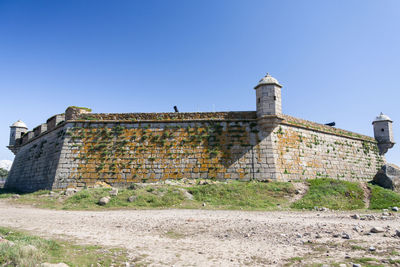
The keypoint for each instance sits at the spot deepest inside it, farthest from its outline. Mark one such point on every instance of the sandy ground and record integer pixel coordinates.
(216, 238)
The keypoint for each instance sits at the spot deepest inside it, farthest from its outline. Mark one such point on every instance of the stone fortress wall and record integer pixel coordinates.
(79, 148)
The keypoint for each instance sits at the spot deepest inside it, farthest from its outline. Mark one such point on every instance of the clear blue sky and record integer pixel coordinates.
(337, 60)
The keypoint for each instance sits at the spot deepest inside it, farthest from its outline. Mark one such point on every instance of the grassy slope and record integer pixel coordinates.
(234, 195)
(332, 194)
(383, 198)
(20, 254)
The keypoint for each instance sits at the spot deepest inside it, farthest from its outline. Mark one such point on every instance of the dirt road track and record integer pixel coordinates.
(207, 237)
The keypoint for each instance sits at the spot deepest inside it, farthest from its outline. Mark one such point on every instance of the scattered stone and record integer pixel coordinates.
(345, 236)
(395, 209)
(70, 191)
(61, 264)
(372, 248)
(102, 185)
(386, 214)
(342, 265)
(318, 235)
(298, 191)
(104, 201)
(299, 236)
(397, 233)
(15, 196)
(377, 229)
(114, 192)
(355, 216)
(204, 204)
(324, 265)
(188, 195)
(356, 265)
(132, 198)
(388, 177)
(335, 235)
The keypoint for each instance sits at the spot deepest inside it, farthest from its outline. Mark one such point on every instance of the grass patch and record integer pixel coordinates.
(28, 251)
(382, 198)
(246, 195)
(232, 195)
(332, 194)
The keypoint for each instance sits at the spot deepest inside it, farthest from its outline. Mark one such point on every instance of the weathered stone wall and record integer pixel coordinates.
(307, 152)
(147, 147)
(120, 153)
(36, 162)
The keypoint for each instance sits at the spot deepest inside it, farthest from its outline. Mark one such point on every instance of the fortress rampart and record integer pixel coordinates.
(81, 148)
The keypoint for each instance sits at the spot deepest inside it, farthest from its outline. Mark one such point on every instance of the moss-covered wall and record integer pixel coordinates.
(306, 153)
(146, 147)
(119, 153)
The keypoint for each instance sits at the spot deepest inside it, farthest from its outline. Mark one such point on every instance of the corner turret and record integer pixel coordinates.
(16, 131)
(383, 133)
(268, 92)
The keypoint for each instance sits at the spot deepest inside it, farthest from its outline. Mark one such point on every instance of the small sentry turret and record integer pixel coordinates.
(268, 94)
(17, 130)
(383, 133)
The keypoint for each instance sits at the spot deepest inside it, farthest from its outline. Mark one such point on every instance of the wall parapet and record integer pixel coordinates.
(305, 124)
(177, 116)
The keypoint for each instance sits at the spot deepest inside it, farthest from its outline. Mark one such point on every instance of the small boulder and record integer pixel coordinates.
(104, 201)
(395, 209)
(188, 195)
(345, 236)
(101, 185)
(114, 192)
(388, 177)
(132, 198)
(372, 248)
(70, 191)
(377, 229)
(15, 196)
(397, 233)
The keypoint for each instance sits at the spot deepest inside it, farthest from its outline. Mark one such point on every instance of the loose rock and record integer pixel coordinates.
(188, 195)
(114, 192)
(104, 201)
(377, 229)
(132, 198)
(15, 196)
(398, 233)
(388, 177)
(70, 191)
(395, 209)
(372, 248)
(345, 236)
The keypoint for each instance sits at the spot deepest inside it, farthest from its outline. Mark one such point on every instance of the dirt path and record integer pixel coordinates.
(367, 194)
(212, 238)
